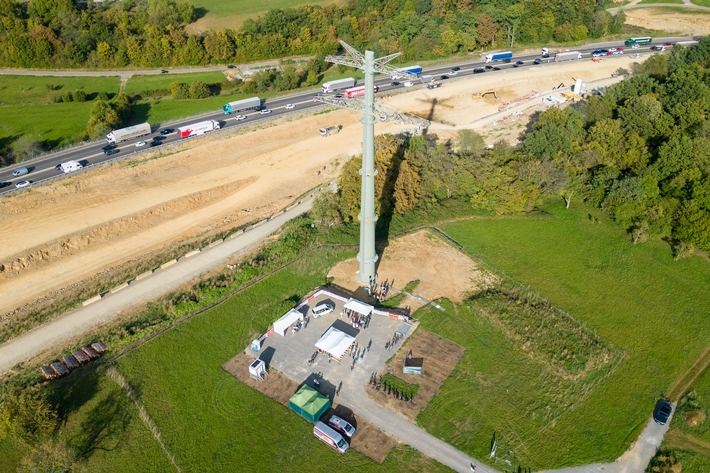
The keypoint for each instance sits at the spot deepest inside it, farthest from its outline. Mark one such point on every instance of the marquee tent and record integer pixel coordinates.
(359, 307)
(335, 342)
(309, 404)
(290, 318)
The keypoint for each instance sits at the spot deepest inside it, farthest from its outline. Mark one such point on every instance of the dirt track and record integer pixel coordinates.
(67, 232)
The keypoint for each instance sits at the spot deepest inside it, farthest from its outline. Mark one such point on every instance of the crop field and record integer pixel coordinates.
(634, 298)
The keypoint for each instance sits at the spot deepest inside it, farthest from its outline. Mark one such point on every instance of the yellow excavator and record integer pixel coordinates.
(480, 95)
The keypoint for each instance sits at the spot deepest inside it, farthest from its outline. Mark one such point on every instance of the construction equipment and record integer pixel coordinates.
(480, 95)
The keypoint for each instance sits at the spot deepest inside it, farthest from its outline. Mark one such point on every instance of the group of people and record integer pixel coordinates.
(379, 292)
(357, 320)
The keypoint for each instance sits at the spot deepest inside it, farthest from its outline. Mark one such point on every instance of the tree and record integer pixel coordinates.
(179, 90)
(199, 90)
(486, 29)
(27, 146)
(102, 119)
(49, 456)
(27, 414)
(693, 225)
(325, 211)
(407, 188)
(470, 143)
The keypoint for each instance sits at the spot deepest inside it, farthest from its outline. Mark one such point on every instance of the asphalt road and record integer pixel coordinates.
(44, 167)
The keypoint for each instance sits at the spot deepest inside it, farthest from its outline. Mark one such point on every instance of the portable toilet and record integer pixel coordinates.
(257, 370)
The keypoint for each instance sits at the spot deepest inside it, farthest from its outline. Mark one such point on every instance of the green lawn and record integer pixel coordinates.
(56, 125)
(661, 1)
(28, 90)
(140, 83)
(221, 8)
(702, 3)
(636, 298)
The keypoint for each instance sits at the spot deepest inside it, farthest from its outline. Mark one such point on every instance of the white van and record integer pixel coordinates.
(342, 426)
(322, 309)
(70, 166)
(330, 437)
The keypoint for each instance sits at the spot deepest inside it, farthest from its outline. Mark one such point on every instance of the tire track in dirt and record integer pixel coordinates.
(690, 376)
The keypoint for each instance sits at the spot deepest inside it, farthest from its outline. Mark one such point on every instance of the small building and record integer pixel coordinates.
(257, 370)
(291, 317)
(309, 403)
(412, 365)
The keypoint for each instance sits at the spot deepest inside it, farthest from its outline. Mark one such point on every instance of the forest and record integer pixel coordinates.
(151, 33)
(640, 152)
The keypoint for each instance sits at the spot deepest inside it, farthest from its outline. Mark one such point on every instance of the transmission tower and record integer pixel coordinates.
(367, 256)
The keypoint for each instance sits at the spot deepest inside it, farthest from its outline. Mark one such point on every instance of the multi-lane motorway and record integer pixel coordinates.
(44, 168)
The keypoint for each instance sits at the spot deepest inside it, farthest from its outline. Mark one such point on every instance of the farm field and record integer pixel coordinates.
(589, 270)
(139, 83)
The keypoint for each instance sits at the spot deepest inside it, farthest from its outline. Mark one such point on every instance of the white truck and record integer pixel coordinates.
(130, 132)
(70, 166)
(239, 105)
(331, 130)
(567, 56)
(199, 128)
(340, 84)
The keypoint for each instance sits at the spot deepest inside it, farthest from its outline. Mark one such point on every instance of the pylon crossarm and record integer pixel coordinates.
(381, 61)
(352, 51)
(352, 104)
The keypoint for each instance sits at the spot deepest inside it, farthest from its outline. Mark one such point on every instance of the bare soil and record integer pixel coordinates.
(369, 440)
(63, 234)
(440, 357)
(683, 23)
(442, 270)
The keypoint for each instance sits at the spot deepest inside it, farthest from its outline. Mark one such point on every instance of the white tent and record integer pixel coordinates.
(359, 307)
(335, 342)
(290, 318)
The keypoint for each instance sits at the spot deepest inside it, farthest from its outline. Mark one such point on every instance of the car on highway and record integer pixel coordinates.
(158, 138)
(658, 48)
(489, 67)
(141, 144)
(479, 70)
(496, 68)
(454, 70)
(635, 46)
(240, 117)
(444, 77)
(265, 111)
(537, 61)
(615, 51)
(395, 83)
(668, 45)
(108, 146)
(600, 52)
(289, 106)
(518, 63)
(435, 85)
(167, 131)
(22, 184)
(662, 411)
(4, 184)
(109, 152)
(20, 172)
(155, 143)
(338, 96)
(408, 84)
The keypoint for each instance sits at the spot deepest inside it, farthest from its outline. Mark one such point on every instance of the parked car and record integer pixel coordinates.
(265, 111)
(289, 106)
(395, 83)
(22, 184)
(240, 117)
(167, 131)
(408, 84)
(322, 309)
(109, 152)
(20, 172)
(662, 411)
(479, 70)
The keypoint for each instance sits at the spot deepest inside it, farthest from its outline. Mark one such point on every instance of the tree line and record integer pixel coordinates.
(151, 33)
(640, 152)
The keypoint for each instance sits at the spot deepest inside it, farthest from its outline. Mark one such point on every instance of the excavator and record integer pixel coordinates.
(480, 95)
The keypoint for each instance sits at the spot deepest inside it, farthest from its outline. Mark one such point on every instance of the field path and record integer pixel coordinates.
(690, 376)
(681, 440)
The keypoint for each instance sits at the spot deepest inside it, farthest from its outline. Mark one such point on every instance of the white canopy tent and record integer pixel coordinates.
(359, 307)
(335, 342)
(290, 318)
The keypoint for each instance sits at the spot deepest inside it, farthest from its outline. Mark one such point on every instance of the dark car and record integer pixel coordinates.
(231, 66)
(600, 52)
(496, 68)
(455, 69)
(658, 48)
(4, 184)
(479, 70)
(433, 86)
(394, 83)
(662, 411)
(109, 146)
(163, 71)
(155, 143)
(489, 67)
(537, 61)
(158, 138)
(109, 152)
(518, 63)
(444, 77)
(167, 131)
(337, 96)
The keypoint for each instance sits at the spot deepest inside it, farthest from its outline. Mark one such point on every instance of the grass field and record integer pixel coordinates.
(28, 90)
(139, 83)
(248, 7)
(702, 3)
(636, 298)
(661, 1)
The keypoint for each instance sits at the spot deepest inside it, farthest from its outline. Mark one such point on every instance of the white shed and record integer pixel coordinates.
(257, 370)
(290, 318)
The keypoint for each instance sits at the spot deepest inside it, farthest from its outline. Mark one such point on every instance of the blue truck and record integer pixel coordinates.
(503, 56)
(402, 72)
(239, 105)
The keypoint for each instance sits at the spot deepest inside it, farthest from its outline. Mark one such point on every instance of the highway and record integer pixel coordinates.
(44, 167)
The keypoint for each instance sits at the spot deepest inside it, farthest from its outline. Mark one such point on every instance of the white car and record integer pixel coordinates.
(408, 84)
(140, 144)
(240, 117)
(289, 106)
(264, 111)
(22, 184)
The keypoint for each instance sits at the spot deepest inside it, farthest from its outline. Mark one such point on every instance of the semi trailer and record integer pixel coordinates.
(502, 56)
(568, 56)
(239, 105)
(128, 133)
(340, 84)
(199, 128)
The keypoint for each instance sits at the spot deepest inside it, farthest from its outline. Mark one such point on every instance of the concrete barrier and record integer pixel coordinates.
(92, 300)
(118, 288)
(192, 253)
(236, 234)
(144, 275)
(169, 263)
(215, 243)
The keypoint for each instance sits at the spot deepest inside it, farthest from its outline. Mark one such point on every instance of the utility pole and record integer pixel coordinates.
(367, 256)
